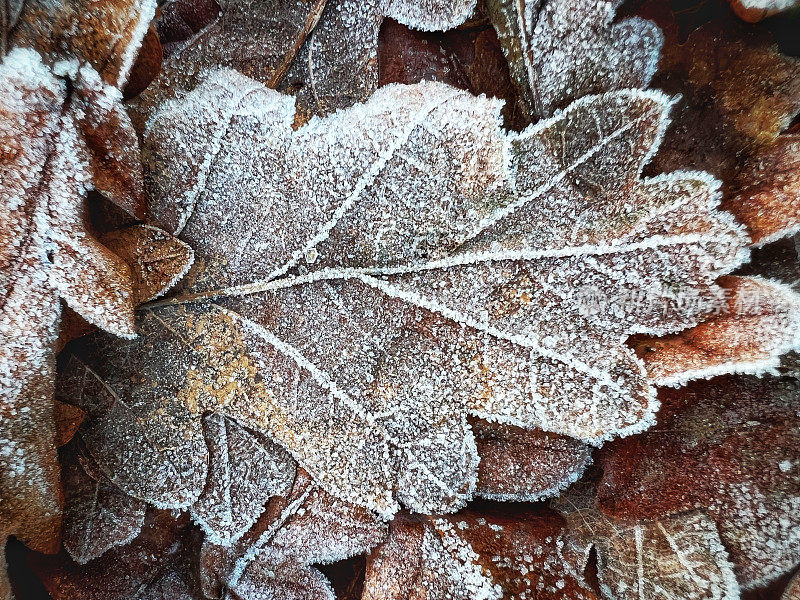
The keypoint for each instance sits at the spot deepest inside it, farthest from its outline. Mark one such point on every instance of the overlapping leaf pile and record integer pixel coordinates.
(397, 304)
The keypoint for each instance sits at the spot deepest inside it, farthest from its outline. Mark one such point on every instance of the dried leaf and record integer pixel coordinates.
(47, 253)
(157, 259)
(760, 322)
(565, 49)
(473, 555)
(670, 557)
(442, 296)
(739, 94)
(106, 35)
(306, 527)
(525, 465)
(131, 572)
(324, 52)
(67, 419)
(729, 447)
(97, 516)
(244, 471)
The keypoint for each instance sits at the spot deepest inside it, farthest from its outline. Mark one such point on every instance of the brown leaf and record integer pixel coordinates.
(97, 515)
(679, 556)
(728, 446)
(753, 11)
(759, 322)
(525, 465)
(104, 34)
(739, 94)
(158, 260)
(244, 471)
(473, 555)
(306, 527)
(147, 65)
(127, 572)
(565, 49)
(68, 418)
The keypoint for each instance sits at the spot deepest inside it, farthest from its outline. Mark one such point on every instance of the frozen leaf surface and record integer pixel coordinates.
(134, 571)
(473, 555)
(324, 52)
(756, 10)
(727, 446)
(97, 516)
(560, 50)
(306, 526)
(47, 253)
(758, 322)
(525, 465)
(665, 558)
(244, 471)
(358, 308)
(793, 591)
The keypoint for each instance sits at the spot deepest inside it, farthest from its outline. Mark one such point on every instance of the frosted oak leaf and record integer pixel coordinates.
(372, 278)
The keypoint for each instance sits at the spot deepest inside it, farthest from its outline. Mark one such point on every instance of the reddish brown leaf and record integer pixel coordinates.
(739, 94)
(793, 590)
(157, 259)
(104, 34)
(759, 322)
(67, 418)
(488, 554)
(526, 464)
(676, 557)
(124, 573)
(728, 446)
(753, 11)
(147, 65)
(97, 515)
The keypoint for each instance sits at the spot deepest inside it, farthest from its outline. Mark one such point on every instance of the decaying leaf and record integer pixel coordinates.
(562, 49)
(325, 52)
(759, 322)
(307, 526)
(739, 94)
(97, 516)
(130, 572)
(474, 555)
(245, 470)
(363, 307)
(728, 446)
(525, 465)
(63, 132)
(669, 557)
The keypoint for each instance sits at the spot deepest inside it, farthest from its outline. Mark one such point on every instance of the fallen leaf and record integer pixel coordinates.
(473, 555)
(759, 322)
(525, 465)
(307, 526)
(565, 49)
(244, 472)
(97, 516)
(470, 281)
(130, 572)
(67, 419)
(727, 446)
(753, 11)
(739, 95)
(324, 52)
(679, 556)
